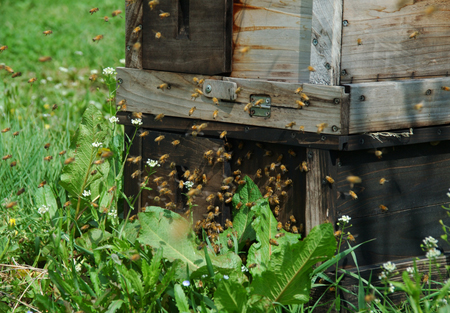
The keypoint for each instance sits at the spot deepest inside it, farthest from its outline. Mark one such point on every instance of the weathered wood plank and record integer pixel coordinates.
(195, 38)
(278, 34)
(139, 88)
(392, 105)
(133, 18)
(132, 189)
(326, 42)
(320, 195)
(386, 50)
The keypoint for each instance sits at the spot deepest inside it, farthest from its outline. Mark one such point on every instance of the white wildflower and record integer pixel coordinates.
(244, 269)
(430, 242)
(64, 92)
(410, 270)
(79, 52)
(153, 163)
(186, 283)
(443, 302)
(137, 121)
(122, 61)
(58, 86)
(112, 213)
(49, 78)
(345, 219)
(86, 193)
(109, 71)
(63, 69)
(80, 77)
(391, 288)
(43, 209)
(433, 253)
(188, 184)
(382, 276)
(96, 144)
(377, 301)
(226, 277)
(113, 119)
(94, 72)
(204, 275)
(389, 266)
(43, 81)
(78, 267)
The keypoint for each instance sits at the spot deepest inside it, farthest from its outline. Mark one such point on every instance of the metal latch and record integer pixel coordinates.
(219, 89)
(260, 108)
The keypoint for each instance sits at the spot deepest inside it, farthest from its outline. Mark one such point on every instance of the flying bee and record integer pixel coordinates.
(93, 10)
(378, 153)
(181, 184)
(279, 235)
(220, 196)
(290, 125)
(259, 102)
(353, 194)
(383, 180)
(354, 180)
(94, 172)
(9, 69)
(239, 161)
(215, 100)
(413, 35)
(6, 157)
(93, 78)
(42, 184)
(175, 143)
(163, 86)
(247, 107)
(32, 80)
(249, 154)
(143, 134)
(350, 237)
(137, 29)
(300, 104)
(383, 208)
(7, 129)
(337, 233)
(321, 127)
(238, 90)
(191, 111)
(48, 158)
(97, 38)
(280, 157)
(105, 18)
(13, 163)
(272, 166)
(47, 32)
(3, 48)
(292, 153)
(45, 59)
(283, 168)
(304, 97)
(227, 156)
(210, 198)
(98, 162)
(198, 91)
(186, 174)
(311, 69)
(273, 242)
(445, 88)
(158, 35)
(294, 229)
(17, 74)
(329, 179)
(224, 188)
(152, 4)
(21, 191)
(159, 138)
(419, 106)
(11, 204)
(202, 126)
(302, 129)
(69, 160)
(159, 117)
(228, 180)
(244, 50)
(215, 114)
(259, 173)
(116, 12)
(223, 135)
(136, 174)
(163, 158)
(17, 134)
(253, 265)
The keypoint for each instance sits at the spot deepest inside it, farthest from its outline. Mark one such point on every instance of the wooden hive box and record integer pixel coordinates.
(372, 63)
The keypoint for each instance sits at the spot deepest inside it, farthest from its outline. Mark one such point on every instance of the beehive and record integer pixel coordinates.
(374, 74)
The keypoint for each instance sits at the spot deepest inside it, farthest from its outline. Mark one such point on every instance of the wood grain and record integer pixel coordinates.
(326, 42)
(203, 45)
(139, 88)
(386, 51)
(133, 18)
(385, 106)
(278, 34)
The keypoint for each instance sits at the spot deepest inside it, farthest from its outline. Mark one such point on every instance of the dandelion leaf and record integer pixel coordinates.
(45, 196)
(76, 176)
(287, 278)
(230, 296)
(181, 299)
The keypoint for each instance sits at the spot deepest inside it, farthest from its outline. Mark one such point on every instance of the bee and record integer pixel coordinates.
(6, 157)
(223, 135)
(248, 155)
(159, 117)
(202, 126)
(244, 50)
(351, 238)
(298, 90)
(9, 69)
(419, 106)
(300, 104)
(106, 19)
(220, 196)
(135, 160)
(98, 162)
(429, 10)
(21, 191)
(198, 91)
(69, 160)
(170, 205)
(42, 184)
(136, 174)
(280, 157)
(3, 48)
(94, 172)
(7, 129)
(163, 158)
(181, 184)
(137, 46)
(311, 69)
(47, 32)
(13, 163)
(378, 153)
(290, 125)
(354, 179)
(48, 158)
(329, 179)
(153, 3)
(321, 127)
(18, 74)
(239, 161)
(353, 194)
(159, 138)
(16, 134)
(175, 143)
(279, 226)
(445, 88)
(292, 219)
(143, 134)
(32, 80)
(283, 168)
(242, 182)
(304, 96)
(359, 41)
(259, 173)
(279, 235)
(253, 265)
(97, 38)
(93, 77)
(238, 90)
(158, 35)
(195, 95)
(215, 100)
(11, 204)
(272, 166)
(413, 35)
(186, 174)
(44, 59)
(247, 107)
(210, 198)
(227, 180)
(93, 10)
(215, 114)
(273, 242)
(164, 14)
(337, 233)
(54, 107)
(191, 111)
(116, 12)
(302, 129)
(137, 29)
(287, 226)
(137, 115)
(383, 180)
(295, 229)
(383, 208)
(276, 210)
(292, 152)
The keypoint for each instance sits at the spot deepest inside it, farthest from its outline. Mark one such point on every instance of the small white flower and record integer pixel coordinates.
(63, 69)
(43, 81)
(345, 219)
(109, 71)
(188, 184)
(153, 163)
(389, 266)
(433, 253)
(96, 144)
(137, 121)
(113, 119)
(186, 283)
(226, 277)
(122, 61)
(74, 84)
(244, 269)
(64, 92)
(79, 52)
(46, 115)
(78, 267)
(94, 71)
(112, 213)
(80, 77)
(86, 193)
(410, 270)
(443, 302)
(204, 275)
(391, 288)
(430, 242)
(58, 86)
(49, 78)
(43, 209)
(382, 276)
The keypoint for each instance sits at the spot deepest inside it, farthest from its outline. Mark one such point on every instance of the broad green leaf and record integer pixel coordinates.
(265, 226)
(92, 238)
(231, 297)
(180, 299)
(114, 306)
(45, 196)
(243, 217)
(76, 176)
(287, 279)
(161, 228)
